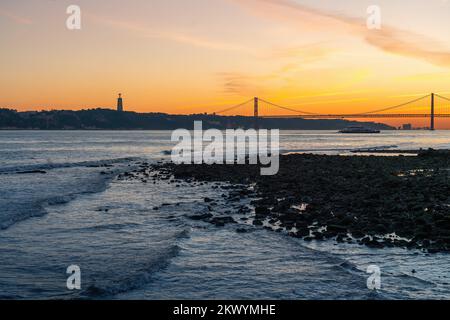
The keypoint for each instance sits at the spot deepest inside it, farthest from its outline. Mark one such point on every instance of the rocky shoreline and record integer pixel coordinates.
(374, 201)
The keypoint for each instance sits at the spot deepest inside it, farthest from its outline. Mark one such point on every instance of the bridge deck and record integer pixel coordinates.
(356, 116)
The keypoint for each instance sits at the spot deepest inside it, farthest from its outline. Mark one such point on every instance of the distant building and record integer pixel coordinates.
(120, 103)
(407, 126)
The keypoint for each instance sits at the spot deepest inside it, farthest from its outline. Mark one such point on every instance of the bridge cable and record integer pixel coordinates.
(233, 107)
(394, 107)
(442, 97)
(445, 108)
(369, 112)
(312, 113)
(287, 108)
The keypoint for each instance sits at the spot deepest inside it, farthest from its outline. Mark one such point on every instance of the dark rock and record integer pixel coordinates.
(257, 222)
(32, 171)
(203, 216)
(340, 237)
(221, 221)
(358, 234)
(356, 195)
(262, 211)
(336, 228)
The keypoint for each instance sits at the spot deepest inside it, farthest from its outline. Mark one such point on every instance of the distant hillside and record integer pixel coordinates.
(105, 119)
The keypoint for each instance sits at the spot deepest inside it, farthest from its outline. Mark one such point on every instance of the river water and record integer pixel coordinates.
(78, 213)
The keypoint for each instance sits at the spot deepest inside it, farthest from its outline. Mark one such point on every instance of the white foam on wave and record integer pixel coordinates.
(50, 166)
(27, 196)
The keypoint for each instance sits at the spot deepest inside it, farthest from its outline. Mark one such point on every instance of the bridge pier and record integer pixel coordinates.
(432, 113)
(256, 112)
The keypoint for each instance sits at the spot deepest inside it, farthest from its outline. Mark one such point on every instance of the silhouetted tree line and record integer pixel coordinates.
(106, 119)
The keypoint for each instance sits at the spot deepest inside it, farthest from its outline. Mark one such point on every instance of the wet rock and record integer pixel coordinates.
(262, 211)
(375, 244)
(304, 232)
(244, 210)
(358, 234)
(203, 216)
(359, 195)
(340, 237)
(381, 229)
(257, 222)
(32, 171)
(318, 236)
(336, 228)
(221, 221)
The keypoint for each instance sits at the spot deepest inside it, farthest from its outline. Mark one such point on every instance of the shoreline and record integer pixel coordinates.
(430, 151)
(370, 200)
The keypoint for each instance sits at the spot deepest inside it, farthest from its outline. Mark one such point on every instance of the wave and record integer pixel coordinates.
(166, 152)
(131, 280)
(349, 267)
(414, 280)
(34, 168)
(350, 148)
(21, 214)
(284, 151)
(375, 148)
(19, 211)
(104, 227)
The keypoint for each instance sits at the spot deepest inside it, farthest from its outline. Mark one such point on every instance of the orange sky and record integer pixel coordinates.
(180, 56)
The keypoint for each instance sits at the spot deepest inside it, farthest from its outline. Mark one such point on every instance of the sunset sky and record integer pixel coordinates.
(185, 56)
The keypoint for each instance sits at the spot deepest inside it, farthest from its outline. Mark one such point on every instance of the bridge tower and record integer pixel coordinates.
(256, 112)
(432, 113)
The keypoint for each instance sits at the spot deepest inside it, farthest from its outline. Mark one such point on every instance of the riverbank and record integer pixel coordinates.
(107, 119)
(422, 152)
(374, 201)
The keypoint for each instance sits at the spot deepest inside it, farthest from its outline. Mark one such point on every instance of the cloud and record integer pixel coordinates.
(303, 54)
(408, 44)
(389, 39)
(238, 84)
(15, 18)
(171, 35)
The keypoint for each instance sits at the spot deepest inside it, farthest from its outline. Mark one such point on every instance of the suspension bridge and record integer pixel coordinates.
(430, 106)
